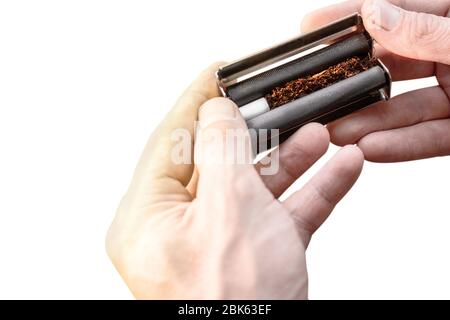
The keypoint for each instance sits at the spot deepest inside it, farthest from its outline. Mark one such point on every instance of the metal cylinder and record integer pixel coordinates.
(322, 102)
(259, 85)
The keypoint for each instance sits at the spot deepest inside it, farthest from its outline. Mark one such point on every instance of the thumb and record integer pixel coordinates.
(222, 140)
(410, 34)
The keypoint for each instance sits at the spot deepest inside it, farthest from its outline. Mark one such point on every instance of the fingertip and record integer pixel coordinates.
(318, 131)
(309, 22)
(343, 132)
(313, 135)
(218, 101)
(354, 160)
(213, 67)
(369, 14)
(204, 87)
(366, 8)
(355, 151)
(373, 149)
(222, 141)
(218, 107)
(207, 79)
(205, 84)
(335, 134)
(381, 18)
(321, 136)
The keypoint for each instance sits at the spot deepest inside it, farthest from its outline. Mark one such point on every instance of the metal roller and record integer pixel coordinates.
(256, 87)
(252, 81)
(311, 107)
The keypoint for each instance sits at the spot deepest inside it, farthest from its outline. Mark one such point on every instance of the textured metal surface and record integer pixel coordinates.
(365, 101)
(256, 87)
(331, 32)
(251, 78)
(322, 102)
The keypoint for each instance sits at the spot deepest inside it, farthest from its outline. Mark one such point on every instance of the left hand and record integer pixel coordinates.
(219, 231)
(413, 42)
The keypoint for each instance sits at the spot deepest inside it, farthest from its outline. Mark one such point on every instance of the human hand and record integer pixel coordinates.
(217, 229)
(414, 42)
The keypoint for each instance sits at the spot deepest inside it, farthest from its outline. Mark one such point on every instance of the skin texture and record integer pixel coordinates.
(216, 229)
(415, 44)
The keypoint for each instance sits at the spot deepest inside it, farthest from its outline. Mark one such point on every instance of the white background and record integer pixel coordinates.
(82, 85)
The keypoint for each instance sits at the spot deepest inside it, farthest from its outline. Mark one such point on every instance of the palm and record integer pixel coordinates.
(225, 239)
(267, 236)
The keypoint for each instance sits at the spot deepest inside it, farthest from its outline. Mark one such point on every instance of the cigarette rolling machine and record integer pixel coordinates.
(317, 77)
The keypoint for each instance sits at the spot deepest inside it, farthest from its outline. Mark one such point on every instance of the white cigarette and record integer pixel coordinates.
(254, 108)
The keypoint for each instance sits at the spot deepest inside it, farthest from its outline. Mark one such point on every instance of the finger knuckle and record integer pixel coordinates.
(240, 186)
(305, 224)
(426, 30)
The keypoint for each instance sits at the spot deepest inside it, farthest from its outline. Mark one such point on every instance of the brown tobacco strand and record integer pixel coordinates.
(297, 88)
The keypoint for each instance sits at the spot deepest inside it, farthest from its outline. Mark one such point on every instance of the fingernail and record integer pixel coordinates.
(217, 109)
(384, 14)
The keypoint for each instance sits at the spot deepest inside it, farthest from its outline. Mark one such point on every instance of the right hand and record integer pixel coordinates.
(414, 42)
